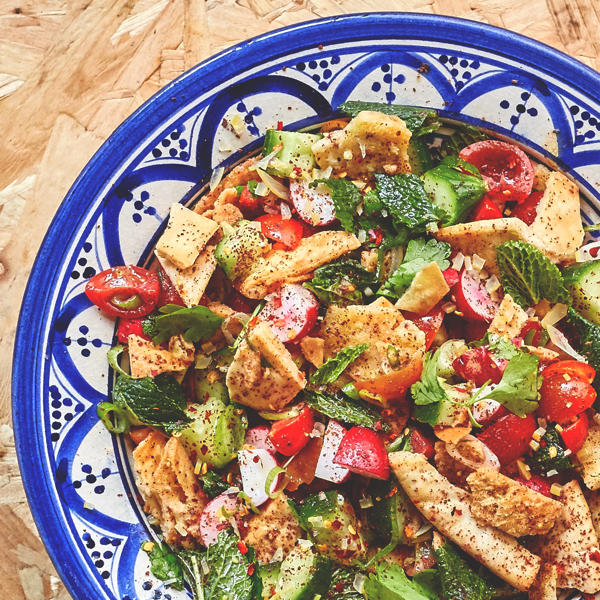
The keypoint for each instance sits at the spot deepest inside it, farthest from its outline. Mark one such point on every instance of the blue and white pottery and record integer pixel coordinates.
(77, 476)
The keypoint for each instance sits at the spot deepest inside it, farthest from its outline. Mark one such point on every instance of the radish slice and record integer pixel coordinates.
(363, 452)
(326, 468)
(216, 517)
(258, 437)
(291, 312)
(473, 299)
(488, 411)
(255, 466)
(312, 206)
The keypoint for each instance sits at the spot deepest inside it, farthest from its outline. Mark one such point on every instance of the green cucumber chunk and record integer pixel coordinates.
(419, 156)
(296, 151)
(583, 282)
(304, 574)
(269, 576)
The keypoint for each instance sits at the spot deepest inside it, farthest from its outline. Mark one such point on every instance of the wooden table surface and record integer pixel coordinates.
(72, 70)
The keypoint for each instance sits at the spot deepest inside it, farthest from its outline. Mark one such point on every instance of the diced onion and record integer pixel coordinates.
(492, 284)
(459, 261)
(359, 582)
(468, 263)
(554, 315)
(585, 252)
(423, 529)
(277, 555)
(487, 457)
(273, 184)
(305, 544)
(366, 502)
(318, 430)
(557, 337)
(263, 163)
(240, 318)
(261, 189)
(202, 361)
(478, 262)
(216, 177)
(362, 236)
(286, 212)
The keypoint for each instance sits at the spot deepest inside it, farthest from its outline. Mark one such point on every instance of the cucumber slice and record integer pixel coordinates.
(583, 282)
(296, 151)
(269, 576)
(304, 574)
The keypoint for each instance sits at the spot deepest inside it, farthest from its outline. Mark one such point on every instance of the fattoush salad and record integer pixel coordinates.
(363, 365)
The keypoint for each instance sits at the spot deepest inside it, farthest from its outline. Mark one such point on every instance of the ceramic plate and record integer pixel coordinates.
(76, 475)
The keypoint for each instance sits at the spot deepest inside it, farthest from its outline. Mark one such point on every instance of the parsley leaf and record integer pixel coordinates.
(344, 409)
(346, 198)
(157, 401)
(541, 461)
(389, 582)
(165, 565)
(428, 393)
(498, 345)
(333, 367)
(341, 282)
(528, 275)
(419, 253)
(420, 121)
(213, 484)
(518, 388)
(406, 200)
(196, 323)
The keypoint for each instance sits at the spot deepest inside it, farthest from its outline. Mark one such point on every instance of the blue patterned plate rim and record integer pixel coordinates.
(32, 326)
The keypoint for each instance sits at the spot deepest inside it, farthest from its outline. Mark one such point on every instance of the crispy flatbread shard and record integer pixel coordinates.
(379, 325)
(557, 227)
(593, 500)
(185, 236)
(447, 508)
(482, 237)
(589, 457)
(572, 544)
(425, 291)
(285, 266)
(276, 526)
(372, 142)
(261, 387)
(544, 587)
(170, 488)
(509, 319)
(191, 283)
(313, 349)
(510, 506)
(148, 360)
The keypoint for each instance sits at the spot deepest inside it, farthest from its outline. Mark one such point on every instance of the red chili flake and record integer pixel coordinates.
(595, 556)
(279, 125)
(242, 547)
(376, 236)
(256, 459)
(458, 512)
(378, 425)
(204, 448)
(253, 321)
(298, 171)
(393, 491)
(250, 569)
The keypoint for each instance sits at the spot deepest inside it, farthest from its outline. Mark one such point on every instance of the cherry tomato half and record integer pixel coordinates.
(574, 435)
(129, 327)
(486, 209)
(429, 323)
(421, 443)
(537, 483)
(527, 211)
(168, 291)
(573, 368)
(508, 437)
(478, 365)
(505, 168)
(287, 231)
(248, 202)
(126, 291)
(289, 436)
(392, 387)
(564, 396)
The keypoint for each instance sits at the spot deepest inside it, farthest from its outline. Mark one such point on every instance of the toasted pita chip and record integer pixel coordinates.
(509, 319)
(544, 587)
(148, 360)
(589, 457)
(425, 291)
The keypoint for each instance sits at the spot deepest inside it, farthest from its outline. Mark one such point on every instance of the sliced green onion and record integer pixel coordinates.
(113, 355)
(273, 473)
(115, 418)
(243, 496)
(127, 302)
(280, 416)
(350, 390)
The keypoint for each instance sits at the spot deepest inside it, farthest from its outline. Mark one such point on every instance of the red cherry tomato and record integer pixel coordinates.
(139, 434)
(573, 368)
(363, 452)
(574, 435)
(534, 330)
(508, 437)
(291, 312)
(313, 207)
(478, 365)
(451, 277)
(168, 292)
(563, 399)
(538, 484)
(287, 231)
(486, 210)
(473, 300)
(127, 291)
(248, 202)
(421, 444)
(527, 210)
(129, 327)
(240, 303)
(289, 436)
(505, 168)
(429, 323)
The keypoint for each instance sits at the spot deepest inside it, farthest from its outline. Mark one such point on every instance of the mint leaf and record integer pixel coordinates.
(165, 565)
(149, 325)
(389, 582)
(344, 409)
(213, 484)
(588, 335)
(457, 578)
(541, 461)
(428, 393)
(341, 282)
(333, 367)
(461, 137)
(419, 253)
(196, 323)
(528, 275)
(518, 388)
(346, 198)
(406, 200)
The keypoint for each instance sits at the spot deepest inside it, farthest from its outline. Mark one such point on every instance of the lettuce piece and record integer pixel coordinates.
(196, 323)
(389, 582)
(346, 198)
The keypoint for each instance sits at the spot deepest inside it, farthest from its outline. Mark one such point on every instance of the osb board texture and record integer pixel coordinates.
(72, 70)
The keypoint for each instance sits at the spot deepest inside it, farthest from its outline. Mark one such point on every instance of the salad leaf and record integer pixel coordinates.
(342, 585)
(588, 335)
(149, 325)
(342, 282)
(420, 121)
(333, 367)
(164, 564)
(196, 323)
(389, 582)
(406, 200)
(213, 484)
(428, 393)
(458, 580)
(541, 461)
(190, 562)
(461, 137)
(419, 253)
(429, 580)
(519, 387)
(498, 345)
(157, 401)
(346, 198)
(342, 408)
(528, 275)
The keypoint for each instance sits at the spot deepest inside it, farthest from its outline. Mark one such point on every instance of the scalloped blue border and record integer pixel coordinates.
(218, 69)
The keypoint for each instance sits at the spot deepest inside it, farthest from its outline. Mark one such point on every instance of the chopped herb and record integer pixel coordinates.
(196, 323)
(346, 198)
(251, 185)
(389, 582)
(342, 585)
(164, 564)
(428, 393)
(550, 455)
(213, 484)
(333, 367)
(461, 137)
(149, 325)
